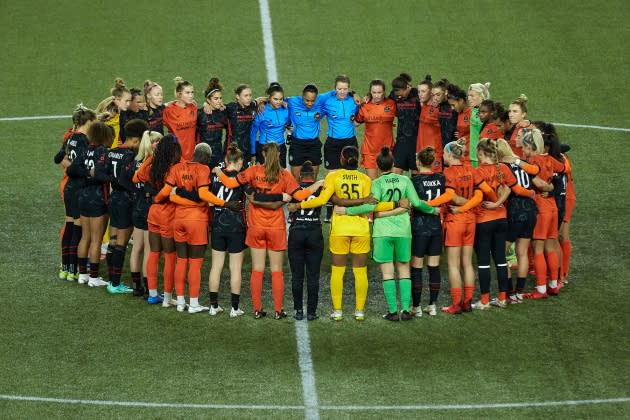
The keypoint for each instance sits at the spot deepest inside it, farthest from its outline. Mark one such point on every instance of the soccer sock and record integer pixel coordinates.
(567, 249)
(169, 271)
(235, 300)
(468, 293)
(136, 277)
(66, 239)
(434, 284)
(405, 293)
(520, 284)
(277, 289)
(194, 277)
(74, 243)
(180, 276)
(214, 299)
(152, 270)
(540, 265)
(552, 263)
(117, 259)
(502, 277)
(94, 269)
(336, 286)
(145, 282)
(485, 298)
(256, 282)
(108, 255)
(484, 278)
(456, 295)
(83, 265)
(194, 301)
(360, 286)
(389, 289)
(416, 282)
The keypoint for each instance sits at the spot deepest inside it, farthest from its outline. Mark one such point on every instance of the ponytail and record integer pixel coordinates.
(272, 162)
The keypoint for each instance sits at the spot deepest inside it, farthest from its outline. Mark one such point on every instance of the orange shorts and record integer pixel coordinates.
(546, 226)
(192, 232)
(568, 210)
(272, 239)
(160, 219)
(459, 233)
(368, 160)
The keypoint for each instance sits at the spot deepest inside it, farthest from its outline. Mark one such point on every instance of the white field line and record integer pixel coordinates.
(261, 407)
(270, 51)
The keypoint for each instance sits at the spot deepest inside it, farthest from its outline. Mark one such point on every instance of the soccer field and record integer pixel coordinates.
(68, 351)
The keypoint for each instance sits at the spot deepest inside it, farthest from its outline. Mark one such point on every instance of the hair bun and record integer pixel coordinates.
(178, 80)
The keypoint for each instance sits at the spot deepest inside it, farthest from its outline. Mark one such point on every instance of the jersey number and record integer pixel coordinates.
(429, 194)
(393, 194)
(350, 190)
(522, 178)
(223, 191)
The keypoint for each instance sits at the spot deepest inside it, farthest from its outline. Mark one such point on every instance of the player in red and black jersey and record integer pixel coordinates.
(93, 200)
(75, 144)
(447, 116)
(408, 113)
(120, 166)
(136, 110)
(240, 118)
(210, 126)
(154, 97)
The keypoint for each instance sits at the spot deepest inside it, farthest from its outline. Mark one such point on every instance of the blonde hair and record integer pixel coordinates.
(521, 101)
(456, 148)
(490, 149)
(107, 108)
(534, 139)
(145, 150)
(503, 149)
(482, 89)
(180, 84)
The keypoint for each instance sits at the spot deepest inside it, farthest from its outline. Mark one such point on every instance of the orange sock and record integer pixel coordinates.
(152, 270)
(456, 295)
(485, 298)
(468, 293)
(566, 257)
(169, 271)
(540, 265)
(502, 295)
(180, 276)
(256, 282)
(194, 276)
(277, 290)
(552, 262)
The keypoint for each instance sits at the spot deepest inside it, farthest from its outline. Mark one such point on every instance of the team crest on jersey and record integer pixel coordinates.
(387, 109)
(466, 119)
(298, 114)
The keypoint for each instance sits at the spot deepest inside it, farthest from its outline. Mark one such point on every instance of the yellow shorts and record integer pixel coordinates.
(349, 244)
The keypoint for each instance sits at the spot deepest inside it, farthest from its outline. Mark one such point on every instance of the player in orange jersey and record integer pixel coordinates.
(180, 117)
(563, 233)
(429, 131)
(457, 101)
(488, 111)
(518, 118)
(266, 233)
(459, 226)
(378, 115)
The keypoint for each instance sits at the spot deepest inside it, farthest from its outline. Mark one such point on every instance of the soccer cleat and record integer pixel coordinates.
(467, 306)
(72, 277)
(138, 291)
(359, 316)
(279, 314)
(499, 303)
(406, 316)
(535, 295)
(97, 282)
(215, 311)
(417, 311)
(121, 288)
(154, 300)
(299, 315)
(63, 275)
(431, 310)
(83, 278)
(260, 314)
(391, 316)
(480, 306)
(515, 299)
(312, 316)
(169, 303)
(336, 316)
(554, 291)
(453, 309)
(195, 309)
(236, 313)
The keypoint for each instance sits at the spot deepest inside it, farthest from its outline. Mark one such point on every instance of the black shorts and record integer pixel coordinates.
(140, 212)
(302, 150)
(332, 151)
(430, 245)
(521, 218)
(120, 210)
(405, 155)
(283, 154)
(93, 200)
(232, 242)
(71, 200)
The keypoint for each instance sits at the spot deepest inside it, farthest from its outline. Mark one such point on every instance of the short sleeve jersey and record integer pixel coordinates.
(120, 167)
(225, 220)
(392, 187)
(460, 178)
(189, 175)
(548, 166)
(379, 123)
(494, 175)
(429, 131)
(408, 112)
(183, 123)
(428, 185)
(259, 217)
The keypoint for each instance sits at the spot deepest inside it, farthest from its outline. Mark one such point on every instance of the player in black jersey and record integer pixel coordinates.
(140, 213)
(210, 126)
(305, 249)
(120, 166)
(154, 97)
(136, 110)
(240, 117)
(408, 113)
(75, 144)
(228, 235)
(93, 199)
(426, 232)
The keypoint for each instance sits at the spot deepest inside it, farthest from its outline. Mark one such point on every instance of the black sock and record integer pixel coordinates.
(66, 240)
(434, 284)
(73, 264)
(117, 261)
(108, 254)
(235, 300)
(416, 285)
(137, 280)
(520, 284)
(214, 299)
(94, 269)
(83, 265)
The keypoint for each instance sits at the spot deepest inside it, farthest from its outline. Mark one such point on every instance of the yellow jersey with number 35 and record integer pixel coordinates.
(348, 184)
